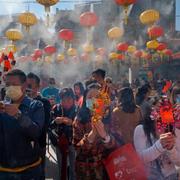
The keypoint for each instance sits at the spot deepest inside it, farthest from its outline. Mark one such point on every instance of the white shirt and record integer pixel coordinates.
(149, 154)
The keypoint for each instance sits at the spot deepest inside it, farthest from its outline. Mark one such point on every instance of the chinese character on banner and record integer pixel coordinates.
(125, 164)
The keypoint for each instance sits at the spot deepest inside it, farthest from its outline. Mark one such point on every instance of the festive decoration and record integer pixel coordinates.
(38, 53)
(13, 35)
(163, 114)
(168, 52)
(72, 52)
(85, 57)
(66, 34)
(149, 17)
(131, 49)
(121, 57)
(161, 46)
(155, 32)
(50, 50)
(113, 56)
(88, 19)
(152, 44)
(47, 4)
(27, 19)
(115, 33)
(101, 51)
(11, 48)
(122, 47)
(125, 4)
(60, 57)
(88, 48)
(138, 53)
(100, 103)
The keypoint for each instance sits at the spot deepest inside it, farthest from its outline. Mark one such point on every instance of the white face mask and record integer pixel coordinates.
(14, 92)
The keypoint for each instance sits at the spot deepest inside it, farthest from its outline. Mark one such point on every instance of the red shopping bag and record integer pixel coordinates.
(125, 164)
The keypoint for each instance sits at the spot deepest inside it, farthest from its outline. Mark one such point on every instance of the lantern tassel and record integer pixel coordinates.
(125, 15)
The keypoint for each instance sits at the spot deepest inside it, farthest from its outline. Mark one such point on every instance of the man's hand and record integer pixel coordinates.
(63, 120)
(11, 109)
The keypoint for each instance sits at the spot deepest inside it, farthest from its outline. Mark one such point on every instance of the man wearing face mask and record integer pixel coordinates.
(33, 84)
(21, 123)
(51, 92)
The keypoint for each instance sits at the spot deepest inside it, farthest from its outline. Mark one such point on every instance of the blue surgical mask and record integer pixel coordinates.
(178, 99)
(89, 103)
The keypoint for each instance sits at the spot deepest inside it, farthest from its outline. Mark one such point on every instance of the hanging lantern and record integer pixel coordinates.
(60, 57)
(38, 53)
(161, 46)
(122, 47)
(85, 57)
(27, 19)
(149, 17)
(13, 35)
(50, 50)
(138, 53)
(11, 48)
(120, 57)
(88, 48)
(98, 58)
(72, 52)
(34, 57)
(47, 4)
(11, 56)
(113, 56)
(168, 52)
(101, 51)
(155, 32)
(131, 49)
(125, 4)
(152, 44)
(7, 65)
(66, 34)
(88, 19)
(115, 33)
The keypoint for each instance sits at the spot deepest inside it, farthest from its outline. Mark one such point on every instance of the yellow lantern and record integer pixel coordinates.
(131, 49)
(98, 58)
(27, 19)
(88, 48)
(113, 56)
(13, 35)
(149, 17)
(60, 57)
(11, 48)
(152, 44)
(47, 4)
(115, 33)
(72, 52)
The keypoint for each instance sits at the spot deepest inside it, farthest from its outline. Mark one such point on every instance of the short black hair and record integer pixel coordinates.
(67, 92)
(35, 77)
(19, 73)
(100, 72)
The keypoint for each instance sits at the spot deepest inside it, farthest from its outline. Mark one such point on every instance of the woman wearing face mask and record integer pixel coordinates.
(92, 140)
(160, 152)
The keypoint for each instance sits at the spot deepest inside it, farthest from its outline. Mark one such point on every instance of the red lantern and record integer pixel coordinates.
(168, 52)
(66, 34)
(101, 51)
(11, 56)
(148, 56)
(155, 32)
(125, 2)
(50, 50)
(138, 53)
(122, 47)
(38, 53)
(161, 46)
(7, 65)
(33, 57)
(121, 57)
(88, 19)
(84, 57)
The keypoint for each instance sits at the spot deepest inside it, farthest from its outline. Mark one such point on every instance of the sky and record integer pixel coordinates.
(178, 15)
(16, 6)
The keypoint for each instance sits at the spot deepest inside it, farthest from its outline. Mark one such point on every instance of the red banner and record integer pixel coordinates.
(125, 164)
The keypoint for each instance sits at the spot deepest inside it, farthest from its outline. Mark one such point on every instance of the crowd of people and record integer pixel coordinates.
(29, 115)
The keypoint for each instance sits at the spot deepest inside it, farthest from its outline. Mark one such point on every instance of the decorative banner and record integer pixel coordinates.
(124, 164)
